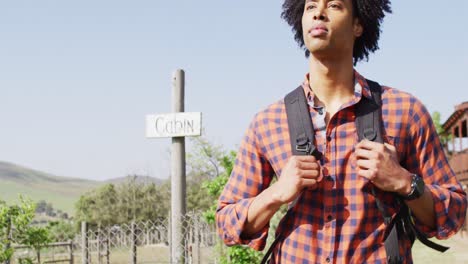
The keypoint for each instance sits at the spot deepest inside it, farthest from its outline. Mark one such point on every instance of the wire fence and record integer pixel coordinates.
(135, 242)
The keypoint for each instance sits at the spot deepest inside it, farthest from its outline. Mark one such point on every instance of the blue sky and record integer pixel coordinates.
(78, 77)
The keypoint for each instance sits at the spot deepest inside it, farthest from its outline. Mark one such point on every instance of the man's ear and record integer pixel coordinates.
(357, 28)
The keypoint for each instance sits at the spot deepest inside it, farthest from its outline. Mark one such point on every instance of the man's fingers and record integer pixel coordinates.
(370, 145)
(309, 174)
(367, 144)
(308, 165)
(364, 164)
(368, 174)
(364, 154)
(309, 183)
(305, 158)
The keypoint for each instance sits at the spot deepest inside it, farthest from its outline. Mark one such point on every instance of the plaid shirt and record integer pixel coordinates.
(339, 222)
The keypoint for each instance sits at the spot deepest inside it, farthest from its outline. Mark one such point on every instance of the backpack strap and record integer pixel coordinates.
(369, 126)
(301, 133)
(369, 115)
(301, 129)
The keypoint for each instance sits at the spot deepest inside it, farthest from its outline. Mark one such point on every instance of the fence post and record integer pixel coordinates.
(70, 250)
(10, 237)
(99, 244)
(134, 244)
(197, 241)
(169, 234)
(148, 237)
(108, 250)
(84, 243)
(109, 237)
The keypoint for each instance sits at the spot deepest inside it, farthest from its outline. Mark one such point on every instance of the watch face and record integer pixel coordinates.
(419, 185)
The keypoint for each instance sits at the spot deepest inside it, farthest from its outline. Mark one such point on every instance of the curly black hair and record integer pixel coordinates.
(369, 12)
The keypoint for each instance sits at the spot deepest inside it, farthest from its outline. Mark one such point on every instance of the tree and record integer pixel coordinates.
(156, 201)
(443, 136)
(204, 163)
(214, 187)
(131, 200)
(61, 231)
(204, 160)
(49, 209)
(36, 238)
(15, 228)
(41, 206)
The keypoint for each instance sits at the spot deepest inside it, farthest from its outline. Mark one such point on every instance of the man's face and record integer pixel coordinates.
(329, 28)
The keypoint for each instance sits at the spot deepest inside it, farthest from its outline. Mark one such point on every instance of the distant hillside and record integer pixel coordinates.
(139, 179)
(62, 192)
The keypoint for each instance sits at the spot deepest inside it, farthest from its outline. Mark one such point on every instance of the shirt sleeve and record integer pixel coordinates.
(427, 158)
(251, 174)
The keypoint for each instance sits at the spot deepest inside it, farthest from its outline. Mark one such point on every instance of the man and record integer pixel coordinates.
(335, 219)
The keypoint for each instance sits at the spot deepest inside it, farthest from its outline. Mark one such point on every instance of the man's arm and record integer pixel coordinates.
(427, 158)
(247, 204)
(379, 163)
(442, 208)
(299, 173)
(251, 174)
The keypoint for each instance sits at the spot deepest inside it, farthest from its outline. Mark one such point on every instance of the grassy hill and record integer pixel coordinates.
(62, 192)
(139, 179)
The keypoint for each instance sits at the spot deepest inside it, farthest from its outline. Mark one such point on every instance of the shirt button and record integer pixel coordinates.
(330, 178)
(329, 218)
(329, 138)
(327, 259)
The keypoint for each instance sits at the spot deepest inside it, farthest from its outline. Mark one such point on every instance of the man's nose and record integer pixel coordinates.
(319, 13)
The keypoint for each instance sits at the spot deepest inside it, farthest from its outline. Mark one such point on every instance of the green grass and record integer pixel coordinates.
(145, 255)
(458, 254)
(62, 196)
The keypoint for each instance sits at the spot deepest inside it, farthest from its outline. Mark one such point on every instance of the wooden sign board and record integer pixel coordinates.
(182, 124)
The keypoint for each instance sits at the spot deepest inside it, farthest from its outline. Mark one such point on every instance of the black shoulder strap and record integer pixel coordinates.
(301, 133)
(369, 115)
(301, 129)
(369, 126)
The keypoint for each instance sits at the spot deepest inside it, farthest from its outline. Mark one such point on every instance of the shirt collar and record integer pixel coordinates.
(361, 88)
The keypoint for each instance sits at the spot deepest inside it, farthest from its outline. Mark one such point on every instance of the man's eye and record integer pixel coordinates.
(310, 7)
(337, 6)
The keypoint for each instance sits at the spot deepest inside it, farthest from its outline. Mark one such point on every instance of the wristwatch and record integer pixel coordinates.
(417, 188)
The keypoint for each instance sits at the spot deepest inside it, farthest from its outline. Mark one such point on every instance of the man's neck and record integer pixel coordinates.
(332, 81)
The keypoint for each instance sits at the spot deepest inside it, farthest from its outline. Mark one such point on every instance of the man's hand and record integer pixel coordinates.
(300, 172)
(379, 163)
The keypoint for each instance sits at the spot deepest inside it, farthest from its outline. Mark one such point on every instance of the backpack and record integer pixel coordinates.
(369, 125)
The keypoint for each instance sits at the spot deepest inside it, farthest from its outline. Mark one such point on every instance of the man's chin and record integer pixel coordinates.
(318, 52)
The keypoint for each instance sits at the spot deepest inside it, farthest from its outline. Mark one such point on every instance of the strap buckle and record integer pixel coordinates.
(306, 148)
(309, 149)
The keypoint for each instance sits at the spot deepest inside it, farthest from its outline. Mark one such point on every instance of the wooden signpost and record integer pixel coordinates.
(176, 125)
